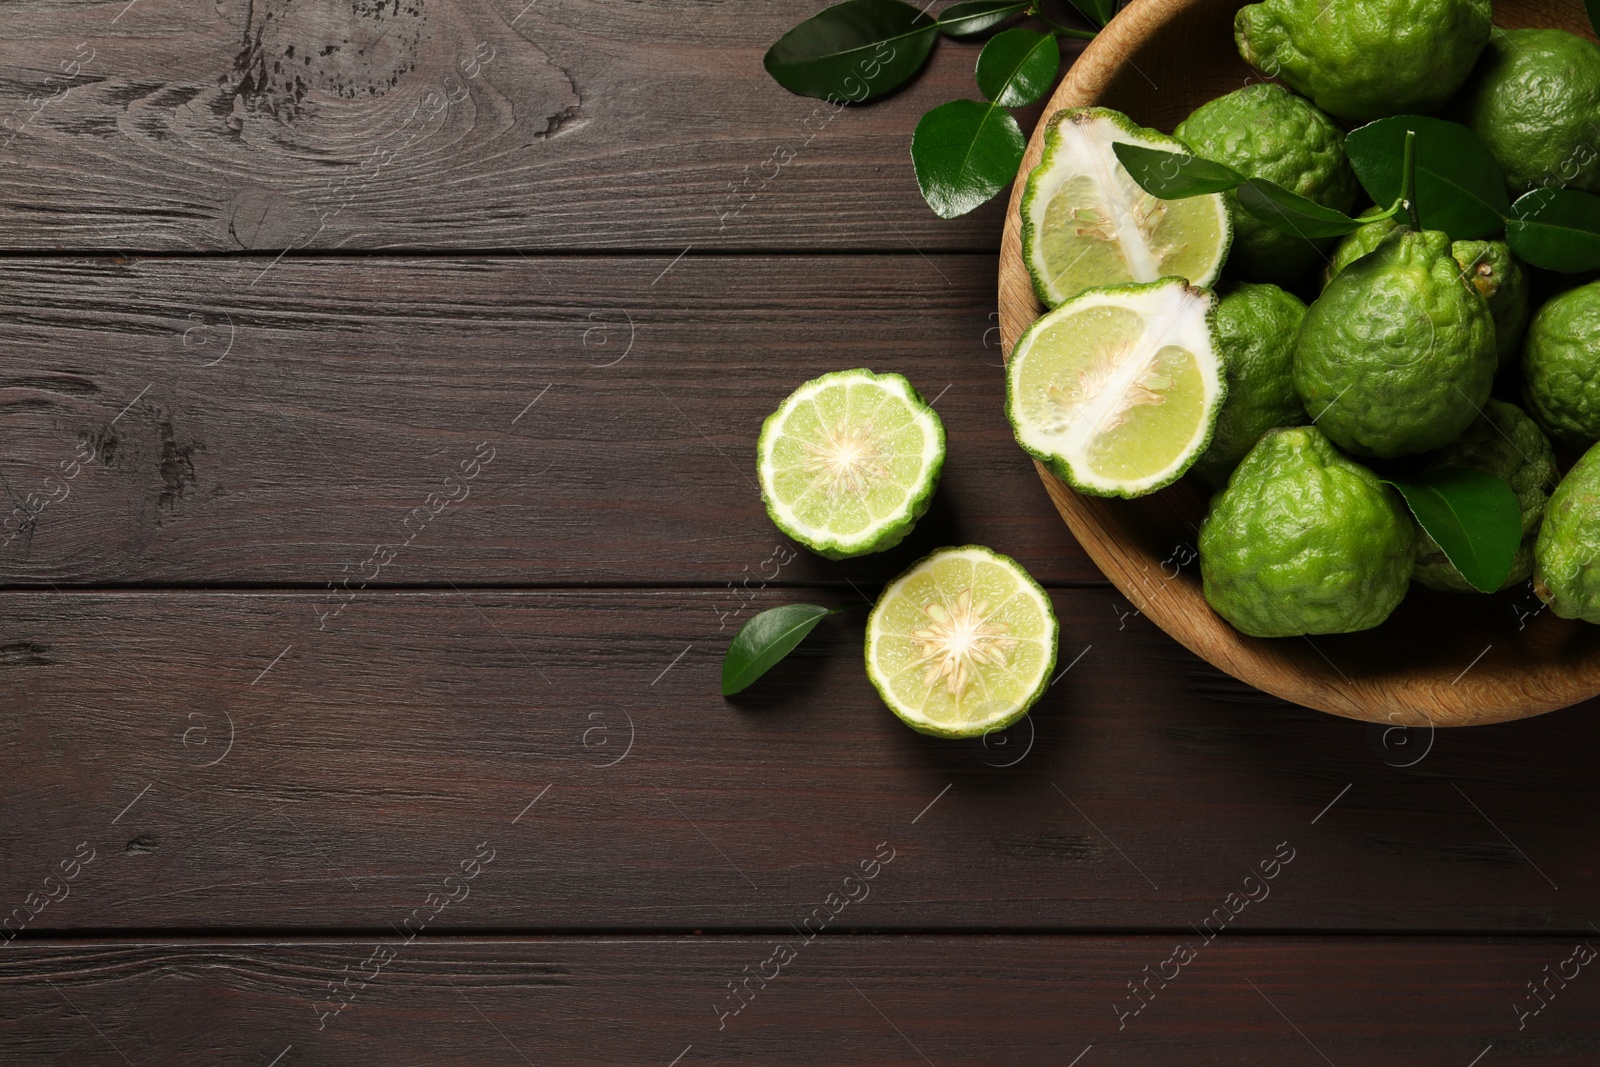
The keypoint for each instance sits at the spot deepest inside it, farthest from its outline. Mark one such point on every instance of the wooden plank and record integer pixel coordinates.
(465, 124)
(277, 425)
(900, 1001)
(231, 765)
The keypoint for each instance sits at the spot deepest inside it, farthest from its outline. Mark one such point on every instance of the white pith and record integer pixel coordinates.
(1084, 148)
(850, 456)
(1174, 314)
(956, 647)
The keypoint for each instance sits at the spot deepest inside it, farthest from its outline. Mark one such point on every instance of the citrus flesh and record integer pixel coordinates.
(1086, 223)
(1118, 389)
(849, 462)
(962, 643)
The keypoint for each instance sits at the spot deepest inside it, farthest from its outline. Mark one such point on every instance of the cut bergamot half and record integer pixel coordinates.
(849, 462)
(962, 643)
(1118, 390)
(1086, 223)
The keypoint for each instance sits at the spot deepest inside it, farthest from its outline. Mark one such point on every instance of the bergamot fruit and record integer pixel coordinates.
(1507, 444)
(1566, 572)
(1535, 101)
(1305, 541)
(1086, 223)
(1397, 354)
(1265, 131)
(1117, 390)
(962, 643)
(1561, 366)
(1366, 59)
(849, 462)
(1255, 327)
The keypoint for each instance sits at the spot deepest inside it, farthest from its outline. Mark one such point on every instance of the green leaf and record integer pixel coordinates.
(1098, 12)
(964, 153)
(979, 16)
(1558, 229)
(853, 51)
(1460, 188)
(765, 640)
(1474, 517)
(1593, 7)
(1292, 213)
(1018, 66)
(1175, 175)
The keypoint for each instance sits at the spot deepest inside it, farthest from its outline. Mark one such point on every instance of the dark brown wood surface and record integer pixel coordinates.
(381, 589)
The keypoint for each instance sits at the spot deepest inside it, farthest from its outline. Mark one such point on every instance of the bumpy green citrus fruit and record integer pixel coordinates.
(849, 462)
(1397, 354)
(1507, 444)
(1488, 265)
(1365, 59)
(1265, 131)
(1561, 366)
(1304, 541)
(1567, 554)
(1535, 101)
(1086, 223)
(1500, 280)
(1255, 327)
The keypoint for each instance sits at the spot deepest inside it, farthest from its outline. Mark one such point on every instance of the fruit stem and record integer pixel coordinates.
(1058, 29)
(1408, 180)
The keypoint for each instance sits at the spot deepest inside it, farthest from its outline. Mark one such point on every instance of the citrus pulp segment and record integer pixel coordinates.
(849, 462)
(1118, 390)
(961, 643)
(1086, 223)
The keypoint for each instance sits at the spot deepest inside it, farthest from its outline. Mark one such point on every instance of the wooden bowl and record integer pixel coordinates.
(1441, 659)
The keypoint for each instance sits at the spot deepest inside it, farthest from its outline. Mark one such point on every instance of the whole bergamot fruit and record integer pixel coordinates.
(1255, 327)
(1506, 443)
(1535, 101)
(1265, 131)
(1305, 541)
(1366, 59)
(1488, 265)
(1397, 354)
(1561, 366)
(1566, 572)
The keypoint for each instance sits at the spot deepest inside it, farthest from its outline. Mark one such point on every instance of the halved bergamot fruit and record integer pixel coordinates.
(1118, 389)
(849, 462)
(1086, 223)
(962, 643)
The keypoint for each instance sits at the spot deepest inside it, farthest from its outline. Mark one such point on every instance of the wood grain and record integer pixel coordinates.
(275, 425)
(463, 124)
(373, 748)
(901, 1001)
(1436, 661)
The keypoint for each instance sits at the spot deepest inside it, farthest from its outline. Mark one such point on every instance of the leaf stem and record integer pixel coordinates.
(1408, 180)
(1058, 29)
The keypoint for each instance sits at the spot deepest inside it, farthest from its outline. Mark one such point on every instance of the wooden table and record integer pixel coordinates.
(365, 605)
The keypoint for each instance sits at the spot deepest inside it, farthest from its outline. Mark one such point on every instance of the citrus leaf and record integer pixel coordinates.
(765, 640)
(1018, 66)
(1292, 213)
(979, 16)
(853, 51)
(1460, 188)
(1175, 175)
(1558, 229)
(964, 153)
(1474, 517)
(1098, 12)
(1593, 7)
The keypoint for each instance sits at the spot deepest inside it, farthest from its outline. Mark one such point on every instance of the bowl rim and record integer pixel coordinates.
(1515, 688)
